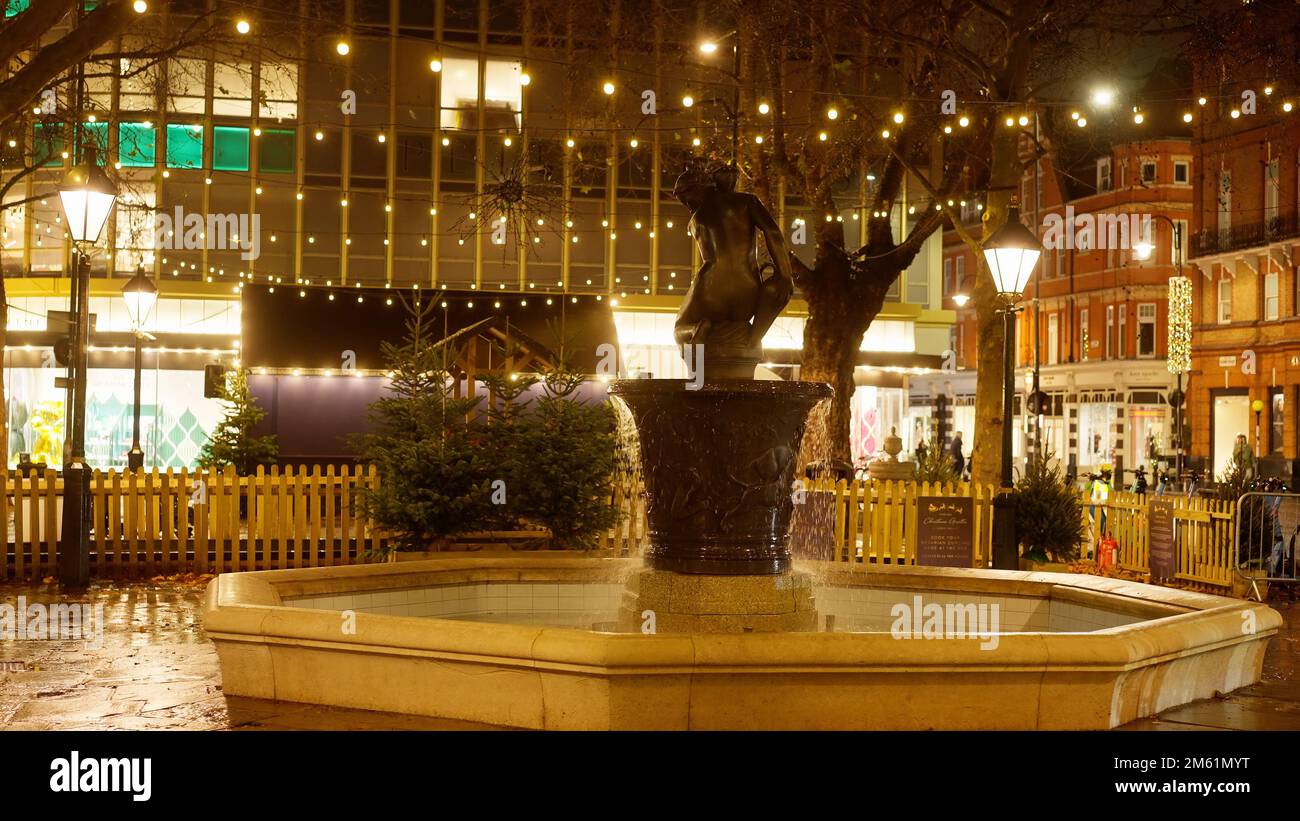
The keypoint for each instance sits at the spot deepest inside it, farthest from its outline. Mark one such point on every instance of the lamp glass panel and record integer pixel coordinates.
(86, 212)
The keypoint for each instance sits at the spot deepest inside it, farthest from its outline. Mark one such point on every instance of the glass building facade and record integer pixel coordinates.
(286, 163)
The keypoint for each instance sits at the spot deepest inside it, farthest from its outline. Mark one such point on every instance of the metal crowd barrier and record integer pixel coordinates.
(1266, 530)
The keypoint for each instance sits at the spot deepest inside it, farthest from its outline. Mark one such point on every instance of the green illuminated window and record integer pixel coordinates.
(184, 146)
(47, 144)
(275, 151)
(136, 145)
(16, 6)
(229, 148)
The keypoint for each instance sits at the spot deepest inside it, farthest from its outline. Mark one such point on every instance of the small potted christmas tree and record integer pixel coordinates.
(1049, 517)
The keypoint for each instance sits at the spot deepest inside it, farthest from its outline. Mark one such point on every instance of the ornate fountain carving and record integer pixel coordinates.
(718, 451)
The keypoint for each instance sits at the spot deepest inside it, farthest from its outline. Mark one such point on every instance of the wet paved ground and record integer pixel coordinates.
(155, 670)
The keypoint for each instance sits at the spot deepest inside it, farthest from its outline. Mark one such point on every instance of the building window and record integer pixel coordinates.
(229, 148)
(502, 94)
(947, 278)
(232, 89)
(278, 91)
(1053, 339)
(136, 145)
(138, 84)
(1178, 247)
(1225, 301)
(414, 156)
(185, 76)
(1146, 336)
(1148, 172)
(1083, 334)
(1276, 418)
(1123, 319)
(1182, 172)
(1103, 174)
(1270, 295)
(1110, 329)
(47, 144)
(276, 151)
(184, 146)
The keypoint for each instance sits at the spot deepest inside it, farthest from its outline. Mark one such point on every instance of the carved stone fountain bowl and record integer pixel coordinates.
(718, 459)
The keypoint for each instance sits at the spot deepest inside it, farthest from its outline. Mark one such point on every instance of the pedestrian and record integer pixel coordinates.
(1242, 455)
(958, 460)
(1099, 493)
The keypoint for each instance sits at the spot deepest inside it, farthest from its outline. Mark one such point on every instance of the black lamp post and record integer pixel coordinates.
(140, 294)
(1011, 253)
(87, 196)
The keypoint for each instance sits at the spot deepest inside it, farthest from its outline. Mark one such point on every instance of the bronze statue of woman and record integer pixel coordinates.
(732, 301)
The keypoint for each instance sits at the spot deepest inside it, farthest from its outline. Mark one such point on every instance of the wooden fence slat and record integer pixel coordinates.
(345, 503)
(19, 529)
(5, 486)
(51, 534)
(331, 487)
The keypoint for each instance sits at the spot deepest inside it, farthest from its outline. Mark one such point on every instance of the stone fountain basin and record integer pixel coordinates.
(1077, 651)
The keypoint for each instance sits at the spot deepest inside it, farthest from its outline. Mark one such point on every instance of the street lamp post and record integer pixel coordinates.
(1258, 407)
(86, 196)
(1178, 356)
(1011, 253)
(140, 294)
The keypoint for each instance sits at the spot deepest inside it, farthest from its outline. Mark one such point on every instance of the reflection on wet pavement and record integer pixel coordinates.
(155, 670)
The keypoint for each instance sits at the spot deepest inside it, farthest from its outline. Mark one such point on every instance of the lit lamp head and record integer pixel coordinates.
(87, 195)
(961, 299)
(1257, 406)
(1143, 249)
(140, 294)
(1011, 252)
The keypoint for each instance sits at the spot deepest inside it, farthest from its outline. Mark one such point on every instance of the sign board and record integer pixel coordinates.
(62, 322)
(945, 531)
(1160, 537)
(1227, 361)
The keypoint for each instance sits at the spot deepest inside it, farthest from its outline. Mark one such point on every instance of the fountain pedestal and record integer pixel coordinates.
(718, 461)
(662, 601)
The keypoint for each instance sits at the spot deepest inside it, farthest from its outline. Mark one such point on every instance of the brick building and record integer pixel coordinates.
(1099, 312)
(1246, 341)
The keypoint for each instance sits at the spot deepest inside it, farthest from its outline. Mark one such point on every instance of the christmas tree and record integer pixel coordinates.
(233, 443)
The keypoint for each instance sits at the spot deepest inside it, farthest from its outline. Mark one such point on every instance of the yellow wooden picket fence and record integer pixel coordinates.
(875, 521)
(1204, 550)
(160, 522)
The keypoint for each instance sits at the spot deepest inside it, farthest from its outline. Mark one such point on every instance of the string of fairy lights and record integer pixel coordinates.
(837, 115)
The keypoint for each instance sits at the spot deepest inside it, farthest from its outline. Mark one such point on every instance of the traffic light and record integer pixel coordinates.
(214, 380)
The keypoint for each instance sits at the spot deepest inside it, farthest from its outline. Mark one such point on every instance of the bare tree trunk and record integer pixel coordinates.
(829, 355)
(986, 456)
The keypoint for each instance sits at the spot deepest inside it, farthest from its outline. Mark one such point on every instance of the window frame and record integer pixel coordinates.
(1146, 317)
(1223, 301)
